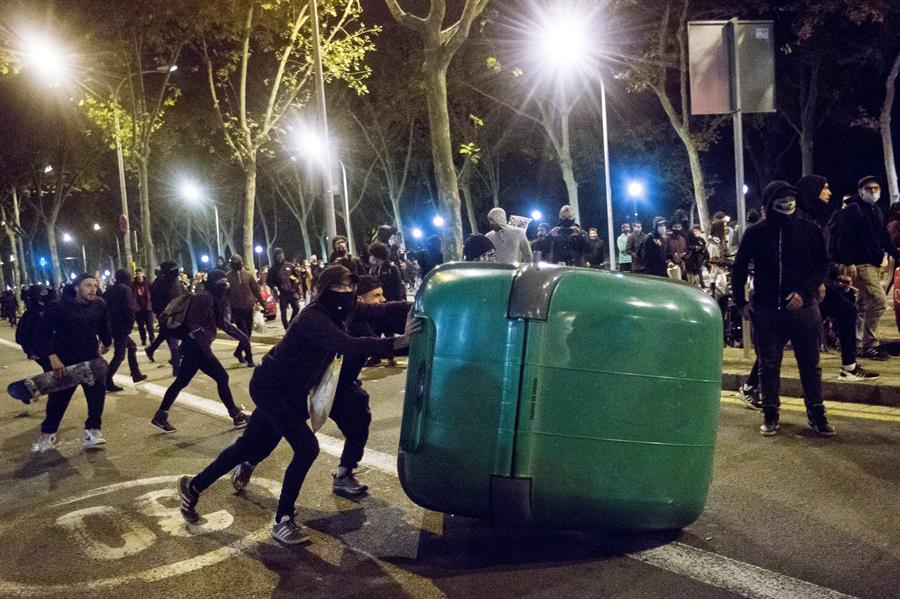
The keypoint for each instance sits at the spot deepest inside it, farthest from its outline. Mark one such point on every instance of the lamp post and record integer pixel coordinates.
(193, 193)
(635, 191)
(67, 238)
(327, 195)
(258, 249)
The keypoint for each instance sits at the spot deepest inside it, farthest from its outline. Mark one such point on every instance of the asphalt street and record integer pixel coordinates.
(789, 516)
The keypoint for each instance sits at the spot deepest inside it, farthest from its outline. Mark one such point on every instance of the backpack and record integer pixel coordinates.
(834, 233)
(175, 313)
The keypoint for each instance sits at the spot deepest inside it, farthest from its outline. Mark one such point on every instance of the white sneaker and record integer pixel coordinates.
(45, 442)
(93, 438)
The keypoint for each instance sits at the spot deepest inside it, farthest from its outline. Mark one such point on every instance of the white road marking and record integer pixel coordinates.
(703, 566)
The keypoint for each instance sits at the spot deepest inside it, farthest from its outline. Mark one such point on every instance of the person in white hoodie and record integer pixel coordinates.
(510, 243)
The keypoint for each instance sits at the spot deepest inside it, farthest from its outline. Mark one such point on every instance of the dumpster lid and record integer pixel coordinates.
(532, 289)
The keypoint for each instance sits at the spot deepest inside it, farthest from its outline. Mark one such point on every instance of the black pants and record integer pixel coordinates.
(172, 342)
(838, 308)
(244, 349)
(351, 413)
(243, 319)
(271, 421)
(144, 320)
(123, 344)
(59, 401)
(774, 328)
(284, 301)
(195, 358)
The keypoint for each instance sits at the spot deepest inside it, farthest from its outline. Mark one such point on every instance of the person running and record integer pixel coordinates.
(75, 324)
(122, 307)
(350, 410)
(284, 282)
(243, 294)
(197, 334)
(165, 288)
(279, 388)
(144, 314)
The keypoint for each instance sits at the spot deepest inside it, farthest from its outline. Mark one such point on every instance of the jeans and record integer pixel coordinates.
(285, 300)
(774, 328)
(144, 319)
(59, 401)
(123, 344)
(271, 421)
(871, 303)
(195, 358)
(838, 308)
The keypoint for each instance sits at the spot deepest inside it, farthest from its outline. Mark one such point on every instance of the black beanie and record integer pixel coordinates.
(867, 179)
(366, 284)
(333, 275)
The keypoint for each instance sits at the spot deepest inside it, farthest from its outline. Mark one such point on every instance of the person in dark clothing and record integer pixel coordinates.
(340, 254)
(197, 334)
(144, 315)
(122, 307)
(596, 256)
(350, 410)
(430, 255)
(284, 281)
(862, 242)
(568, 243)
(790, 264)
(478, 248)
(244, 351)
(543, 243)
(633, 246)
(33, 332)
(386, 272)
(165, 288)
(280, 386)
(9, 306)
(653, 254)
(75, 324)
(243, 295)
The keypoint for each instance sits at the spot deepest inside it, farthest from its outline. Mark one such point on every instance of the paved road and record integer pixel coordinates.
(792, 516)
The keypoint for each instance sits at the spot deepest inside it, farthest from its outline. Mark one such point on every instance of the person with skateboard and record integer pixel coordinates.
(280, 386)
(33, 332)
(75, 325)
(197, 332)
(122, 307)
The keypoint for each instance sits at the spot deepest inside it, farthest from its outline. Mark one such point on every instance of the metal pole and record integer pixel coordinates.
(347, 210)
(136, 247)
(609, 210)
(327, 195)
(122, 192)
(119, 253)
(218, 235)
(84, 257)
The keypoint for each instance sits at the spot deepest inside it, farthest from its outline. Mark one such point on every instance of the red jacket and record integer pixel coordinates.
(142, 295)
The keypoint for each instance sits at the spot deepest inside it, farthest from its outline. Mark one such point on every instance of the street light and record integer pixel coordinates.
(258, 249)
(69, 239)
(417, 233)
(438, 221)
(194, 194)
(315, 147)
(536, 216)
(47, 58)
(96, 226)
(204, 259)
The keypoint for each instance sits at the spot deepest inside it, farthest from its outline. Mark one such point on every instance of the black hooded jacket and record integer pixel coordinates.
(864, 235)
(165, 288)
(34, 333)
(788, 254)
(122, 305)
(75, 327)
(809, 206)
(652, 255)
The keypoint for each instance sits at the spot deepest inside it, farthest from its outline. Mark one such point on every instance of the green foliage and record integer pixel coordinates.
(471, 152)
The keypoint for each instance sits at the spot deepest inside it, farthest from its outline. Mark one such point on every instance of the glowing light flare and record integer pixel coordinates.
(46, 58)
(191, 191)
(417, 233)
(204, 259)
(258, 249)
(96, 226)
(635, 189)
(438, 221)
(67, 238)
(536, 215)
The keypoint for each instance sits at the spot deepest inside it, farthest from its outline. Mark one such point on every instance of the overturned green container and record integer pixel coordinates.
(561, 397)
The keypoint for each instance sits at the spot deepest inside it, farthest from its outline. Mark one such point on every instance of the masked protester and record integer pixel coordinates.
(279, 388)
(653, 254)
(569, 244)
(284, 281)
(197, 334)
(790, 264)
(243, 295)
(633, 246)
(165, 288)
(859, 244)
(75, 325)
(122, 307)
(543, 243)
(386, 272)
(340, 254)
(33, 332)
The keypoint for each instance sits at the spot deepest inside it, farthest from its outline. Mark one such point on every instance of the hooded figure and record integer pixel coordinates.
(654, 251)
(478, 248)
(33, 332)
(790, 264)
(813, 199)
(122, 307)
(510, 243)
(568, 243)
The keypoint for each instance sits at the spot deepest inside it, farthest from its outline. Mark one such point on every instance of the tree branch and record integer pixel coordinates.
(412, 22)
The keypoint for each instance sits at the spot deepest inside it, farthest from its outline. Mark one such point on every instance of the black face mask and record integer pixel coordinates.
(566, 222)
(338, 303)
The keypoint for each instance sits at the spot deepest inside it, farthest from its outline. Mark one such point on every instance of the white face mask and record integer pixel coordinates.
(786, 206)
(870, 197)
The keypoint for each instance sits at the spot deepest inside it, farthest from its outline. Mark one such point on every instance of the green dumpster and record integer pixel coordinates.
(561, 397)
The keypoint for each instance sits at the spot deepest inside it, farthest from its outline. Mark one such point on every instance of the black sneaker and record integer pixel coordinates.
(750, 396)
(138, 378)
(161, 421)
(347, 484)
(769, 426)
(820, 426)
(240, 476)
(113, 388)
(240, 356)
(149, 353)
(240, 419)
(189, 499)
(873, 353)
(858, 374)
(251, 363)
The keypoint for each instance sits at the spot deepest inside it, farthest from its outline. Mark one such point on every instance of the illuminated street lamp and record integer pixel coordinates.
(417, 233)
(66, 237)
(46, 58)
(438, 221)
(258, 249)
(96, 226)
(194, 194)
(536, 216)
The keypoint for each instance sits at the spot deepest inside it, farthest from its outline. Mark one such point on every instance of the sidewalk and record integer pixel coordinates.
(883, 391)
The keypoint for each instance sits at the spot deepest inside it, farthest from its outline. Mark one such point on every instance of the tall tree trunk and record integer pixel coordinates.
(398, 220)
(32, 270)
(147, 247)
(249, 206)
(810, 99)
(566, 163)
(884, 121)
(442, 153)
(465, 185)
(14, 267)
(54, 251)
(23, 261)
(304, 232)
(699, 185)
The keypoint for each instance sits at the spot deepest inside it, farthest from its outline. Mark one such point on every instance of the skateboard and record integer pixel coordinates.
(82, 373)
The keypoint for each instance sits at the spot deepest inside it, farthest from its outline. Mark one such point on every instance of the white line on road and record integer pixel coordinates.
(684, 560)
